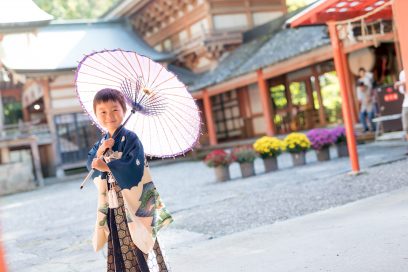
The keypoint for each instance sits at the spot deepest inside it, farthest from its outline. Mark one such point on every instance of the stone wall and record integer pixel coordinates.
(16, 177)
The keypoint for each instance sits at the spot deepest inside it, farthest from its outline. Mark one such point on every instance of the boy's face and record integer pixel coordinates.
(109, 114)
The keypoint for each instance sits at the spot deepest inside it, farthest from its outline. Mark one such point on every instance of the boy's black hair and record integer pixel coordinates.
(361, 83)
(108, 94)
(362, 69)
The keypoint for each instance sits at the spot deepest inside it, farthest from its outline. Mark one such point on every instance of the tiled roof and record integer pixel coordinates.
(286, 44)
(59, 46)
(268, 44)
(184, 75)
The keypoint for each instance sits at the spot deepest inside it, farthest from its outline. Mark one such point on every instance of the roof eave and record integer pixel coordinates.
(308, 13)
(8, 28)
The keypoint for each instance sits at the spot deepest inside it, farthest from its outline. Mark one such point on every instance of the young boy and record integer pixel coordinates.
(130, 212)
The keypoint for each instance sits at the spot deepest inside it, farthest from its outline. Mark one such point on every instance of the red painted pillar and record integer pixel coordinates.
(266, 104)
(338, 53)
(209, 118)
(349, 89)
(399, 9)
(2, 260)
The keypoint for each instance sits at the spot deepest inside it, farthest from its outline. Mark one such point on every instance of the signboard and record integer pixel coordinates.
(389, 103)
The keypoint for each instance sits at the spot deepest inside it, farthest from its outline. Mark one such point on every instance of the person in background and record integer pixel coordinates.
(366, 77)
(404, 113)
(367, 106)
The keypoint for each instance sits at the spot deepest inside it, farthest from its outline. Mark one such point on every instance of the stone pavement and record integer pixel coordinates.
(50, 229)
(369, 235)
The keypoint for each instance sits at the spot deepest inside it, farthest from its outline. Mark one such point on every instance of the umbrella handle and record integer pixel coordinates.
(86, 178)
(91, 172)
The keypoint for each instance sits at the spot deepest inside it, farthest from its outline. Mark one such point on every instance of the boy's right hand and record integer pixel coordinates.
(105, 145)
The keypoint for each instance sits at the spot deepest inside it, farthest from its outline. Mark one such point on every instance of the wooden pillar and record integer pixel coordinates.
(209, 117)
(245, 111)
(397, 47)
(37, 163)
(322, 113)
(399, 8)
(354, 98)
(1, 113)
(5, 155)
(338, 51)
(266, 104)
(2, 260)
(53, 131)
(347, 80)
(26, 115)
(310, 104)
(288, 95)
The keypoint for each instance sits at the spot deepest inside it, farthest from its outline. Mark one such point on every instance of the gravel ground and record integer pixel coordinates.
(220, 209)
(50, 229)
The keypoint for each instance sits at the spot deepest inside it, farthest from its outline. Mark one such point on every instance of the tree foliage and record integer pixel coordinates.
(296, 4)
(76, 9)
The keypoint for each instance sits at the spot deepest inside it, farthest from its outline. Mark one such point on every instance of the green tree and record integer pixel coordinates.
(76, 9)
(296, 4)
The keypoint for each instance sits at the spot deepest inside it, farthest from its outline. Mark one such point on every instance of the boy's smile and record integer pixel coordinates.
(110, 115)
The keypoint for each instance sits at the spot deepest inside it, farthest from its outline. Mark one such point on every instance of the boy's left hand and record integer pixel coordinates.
(100, 165)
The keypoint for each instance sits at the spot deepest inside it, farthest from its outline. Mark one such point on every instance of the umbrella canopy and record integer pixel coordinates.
(166, 117)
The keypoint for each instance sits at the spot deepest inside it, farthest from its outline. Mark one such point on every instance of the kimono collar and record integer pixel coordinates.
(119, 135)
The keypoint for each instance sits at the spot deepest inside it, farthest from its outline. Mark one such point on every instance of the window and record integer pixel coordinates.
(228, 121)
(298, 92)
(230, 21)
(278, 96)
(75, 136)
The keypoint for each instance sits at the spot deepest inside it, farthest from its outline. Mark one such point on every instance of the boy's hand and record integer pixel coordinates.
(105, 145)
(100, 165)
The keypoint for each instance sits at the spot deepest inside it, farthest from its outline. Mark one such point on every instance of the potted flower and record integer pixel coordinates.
(321, 140)
(269, 148)
(245, 156)
(220, 161)
(297, 144)
(340, 140)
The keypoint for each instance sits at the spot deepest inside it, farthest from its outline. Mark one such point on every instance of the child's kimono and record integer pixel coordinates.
(130, 212)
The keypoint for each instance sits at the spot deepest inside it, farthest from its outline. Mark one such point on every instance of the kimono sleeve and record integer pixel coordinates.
(128, 170)
(91, 156)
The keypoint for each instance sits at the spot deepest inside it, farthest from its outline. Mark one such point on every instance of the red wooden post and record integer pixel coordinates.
(349, 88)
(338, 53)
(399, 9)
(2, 260)
(266, 104)
(209, 118)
